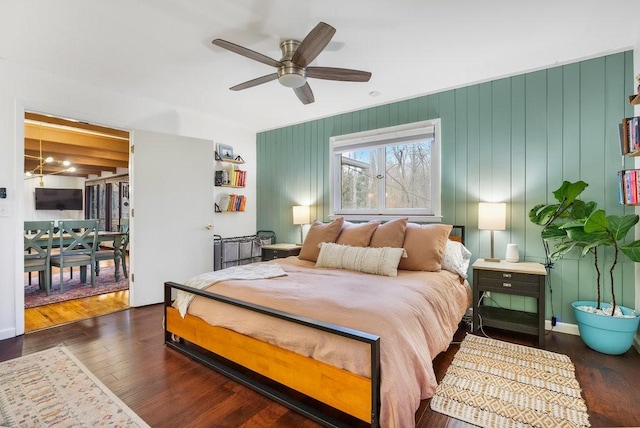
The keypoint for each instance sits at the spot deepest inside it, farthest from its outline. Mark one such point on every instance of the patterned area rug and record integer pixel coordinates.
(52, 388)
(73, 288)
(498, 384)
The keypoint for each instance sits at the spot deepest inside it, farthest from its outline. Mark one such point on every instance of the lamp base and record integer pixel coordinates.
(491, 259)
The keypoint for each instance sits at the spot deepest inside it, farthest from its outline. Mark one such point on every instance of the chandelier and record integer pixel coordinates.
(49, 161)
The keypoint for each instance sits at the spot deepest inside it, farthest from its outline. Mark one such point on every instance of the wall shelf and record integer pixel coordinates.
(238, 159)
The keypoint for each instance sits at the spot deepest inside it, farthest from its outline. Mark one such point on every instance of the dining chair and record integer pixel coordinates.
(78, 240)
(38, 240)
(118, 251)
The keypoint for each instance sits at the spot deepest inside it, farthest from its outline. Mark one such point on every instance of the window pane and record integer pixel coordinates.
(358, 171)
(408, 175)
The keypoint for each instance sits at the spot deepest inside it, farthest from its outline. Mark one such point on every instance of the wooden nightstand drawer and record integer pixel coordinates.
(509, 281)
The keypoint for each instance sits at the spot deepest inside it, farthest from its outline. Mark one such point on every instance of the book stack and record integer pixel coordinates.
(628, 187)
(232, 202)
(231, 177)
(629, 135)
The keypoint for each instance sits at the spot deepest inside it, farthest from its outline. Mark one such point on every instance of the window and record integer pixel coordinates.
(389, 171)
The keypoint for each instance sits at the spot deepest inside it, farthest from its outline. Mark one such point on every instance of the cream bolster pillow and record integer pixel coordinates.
(376, 261)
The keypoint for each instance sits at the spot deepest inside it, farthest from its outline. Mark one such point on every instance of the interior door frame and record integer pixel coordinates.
(21, 107)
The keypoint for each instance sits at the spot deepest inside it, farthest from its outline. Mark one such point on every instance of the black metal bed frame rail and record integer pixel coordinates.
(301, 407)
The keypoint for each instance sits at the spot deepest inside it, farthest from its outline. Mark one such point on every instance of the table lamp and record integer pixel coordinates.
(301, 216)
(492, 216)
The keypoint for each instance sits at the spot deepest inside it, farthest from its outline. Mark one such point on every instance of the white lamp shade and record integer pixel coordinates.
(492, 216)
(301, 214)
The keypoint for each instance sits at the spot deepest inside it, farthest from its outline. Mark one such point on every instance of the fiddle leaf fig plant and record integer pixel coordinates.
(572, 223)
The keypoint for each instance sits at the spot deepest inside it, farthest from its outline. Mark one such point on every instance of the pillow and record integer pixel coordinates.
(319, 232)
(377, 261)
(425, 246)
(389, 234)
(357, 235)
(456, 258)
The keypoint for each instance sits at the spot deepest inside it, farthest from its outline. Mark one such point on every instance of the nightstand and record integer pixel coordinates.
(521, 279)
(278, 251)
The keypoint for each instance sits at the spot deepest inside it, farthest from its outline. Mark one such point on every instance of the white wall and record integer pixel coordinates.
(51, 182)
(23, 88)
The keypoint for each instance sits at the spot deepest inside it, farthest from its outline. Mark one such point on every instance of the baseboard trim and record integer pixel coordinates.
(562, 328)
(573, 329)
(7, 333)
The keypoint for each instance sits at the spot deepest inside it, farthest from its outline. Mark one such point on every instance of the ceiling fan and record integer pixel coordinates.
(293, 67)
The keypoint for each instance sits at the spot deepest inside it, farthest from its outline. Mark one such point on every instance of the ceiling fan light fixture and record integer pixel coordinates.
(291, 76)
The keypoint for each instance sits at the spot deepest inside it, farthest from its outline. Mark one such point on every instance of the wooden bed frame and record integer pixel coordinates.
(224, 350)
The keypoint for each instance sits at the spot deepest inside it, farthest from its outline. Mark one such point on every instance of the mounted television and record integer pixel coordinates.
(58, 199)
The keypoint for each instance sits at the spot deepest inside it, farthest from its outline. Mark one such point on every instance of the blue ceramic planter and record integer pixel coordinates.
(604, 333)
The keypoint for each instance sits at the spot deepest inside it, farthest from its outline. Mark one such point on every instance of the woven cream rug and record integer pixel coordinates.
(53, 389)
(498, 384)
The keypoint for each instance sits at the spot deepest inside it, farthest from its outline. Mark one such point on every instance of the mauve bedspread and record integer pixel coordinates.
(415, 314)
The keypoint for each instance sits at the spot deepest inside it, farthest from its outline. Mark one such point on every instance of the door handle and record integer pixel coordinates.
(209, 226)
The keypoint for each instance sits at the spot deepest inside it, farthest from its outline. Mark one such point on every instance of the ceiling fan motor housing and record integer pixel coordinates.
(290, 75)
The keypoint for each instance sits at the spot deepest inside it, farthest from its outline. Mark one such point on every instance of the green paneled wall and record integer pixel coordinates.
(513, 140)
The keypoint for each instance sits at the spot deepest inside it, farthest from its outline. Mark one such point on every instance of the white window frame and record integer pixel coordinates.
(380, 137)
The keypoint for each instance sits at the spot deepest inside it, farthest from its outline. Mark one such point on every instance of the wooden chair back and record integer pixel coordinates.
(78, 242)
(78, 237)
(38, 240)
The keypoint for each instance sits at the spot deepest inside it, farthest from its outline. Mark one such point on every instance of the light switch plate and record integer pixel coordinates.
(4, 209)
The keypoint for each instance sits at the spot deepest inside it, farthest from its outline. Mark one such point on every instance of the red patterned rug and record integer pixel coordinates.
(73, 288)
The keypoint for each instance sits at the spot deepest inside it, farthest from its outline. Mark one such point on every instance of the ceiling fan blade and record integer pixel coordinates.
(240, 50)
(305, 94)
(344, 74)
(255, 82)
(311, 46)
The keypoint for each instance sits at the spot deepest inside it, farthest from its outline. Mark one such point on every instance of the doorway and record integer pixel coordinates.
(62, 153)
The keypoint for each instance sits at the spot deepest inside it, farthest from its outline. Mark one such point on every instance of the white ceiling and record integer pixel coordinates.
(161, 49)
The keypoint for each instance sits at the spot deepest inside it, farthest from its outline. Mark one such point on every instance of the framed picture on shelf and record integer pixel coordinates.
(225, 151)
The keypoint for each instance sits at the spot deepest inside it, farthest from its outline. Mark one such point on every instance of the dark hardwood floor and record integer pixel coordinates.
(125, 351)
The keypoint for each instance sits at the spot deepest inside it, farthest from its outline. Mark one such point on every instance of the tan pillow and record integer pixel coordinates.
(425, 245)
(357, 235)
(377, 261)
(389, 234)
(319, 232)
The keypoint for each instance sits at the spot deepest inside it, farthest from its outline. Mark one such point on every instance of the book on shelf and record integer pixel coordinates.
(231, 177)
(224, 201)
(628, 186)
(232, 202)
(629, 131)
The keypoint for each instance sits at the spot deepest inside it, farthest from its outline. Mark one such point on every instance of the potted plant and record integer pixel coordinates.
(572, 223)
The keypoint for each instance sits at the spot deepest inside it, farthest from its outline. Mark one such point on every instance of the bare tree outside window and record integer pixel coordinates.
(408, 176)
(389, 171)
(358, 179)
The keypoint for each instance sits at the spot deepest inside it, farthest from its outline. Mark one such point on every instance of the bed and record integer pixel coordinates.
(341, 346)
